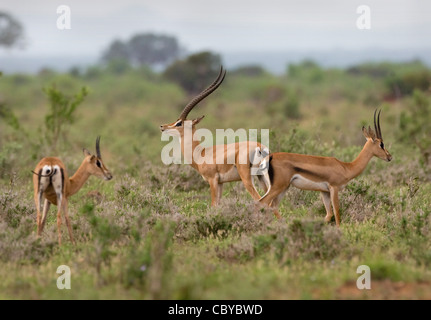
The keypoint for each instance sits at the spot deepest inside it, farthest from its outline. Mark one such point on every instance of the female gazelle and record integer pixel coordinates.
(324, 174)
(52, 185)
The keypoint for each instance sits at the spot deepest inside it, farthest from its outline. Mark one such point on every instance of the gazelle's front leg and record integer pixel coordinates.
(214, 186)
(326, 198)
(335, 204)
(219, 192)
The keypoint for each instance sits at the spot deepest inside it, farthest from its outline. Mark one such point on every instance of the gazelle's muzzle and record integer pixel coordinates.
(165, 127)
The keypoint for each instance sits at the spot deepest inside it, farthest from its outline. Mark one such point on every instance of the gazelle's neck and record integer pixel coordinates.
(357, 166)
(78, 179)
(188, 146)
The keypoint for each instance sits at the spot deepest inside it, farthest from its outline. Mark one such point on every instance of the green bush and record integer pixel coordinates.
(415, 125)
(62, 111)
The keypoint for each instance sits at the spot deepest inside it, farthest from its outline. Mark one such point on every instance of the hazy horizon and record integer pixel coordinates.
(239, 31)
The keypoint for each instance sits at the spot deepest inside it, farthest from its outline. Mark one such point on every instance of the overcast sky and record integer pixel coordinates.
(222, 25)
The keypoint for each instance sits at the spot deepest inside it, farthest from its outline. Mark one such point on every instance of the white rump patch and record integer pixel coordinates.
(46, 170)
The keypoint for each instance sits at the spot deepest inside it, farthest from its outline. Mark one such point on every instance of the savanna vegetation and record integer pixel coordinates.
(150, 232)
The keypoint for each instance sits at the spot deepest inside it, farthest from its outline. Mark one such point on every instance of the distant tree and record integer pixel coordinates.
(118, 66)
(307, 70)
(118, 50)
(11, 31)
(147, 49)
(196, 72)
(408, 82)
(291, 106)
(249, 71)
(151, 49)
(75, 71)
(374, 70)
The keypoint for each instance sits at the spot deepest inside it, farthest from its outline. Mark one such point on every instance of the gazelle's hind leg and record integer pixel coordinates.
(57, 183)
(41, 186)
(272, 199)
(262, 183)
(66, 216)
(276, 202)
(335, 204)
(326, 198)
(59, 202)
(246, 178)
(46, 206)
(38, 197)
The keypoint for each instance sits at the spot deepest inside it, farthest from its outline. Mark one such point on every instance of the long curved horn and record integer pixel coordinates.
(377, 125)
(99, 155)
(217, 82)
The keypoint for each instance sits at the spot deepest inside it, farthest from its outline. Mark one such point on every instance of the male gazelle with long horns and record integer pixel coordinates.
(324, 174)
(221, 163)
(52, 185)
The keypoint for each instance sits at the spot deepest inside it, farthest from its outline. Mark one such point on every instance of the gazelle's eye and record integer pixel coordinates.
(98, 164)
(382, 145)
(178, 124)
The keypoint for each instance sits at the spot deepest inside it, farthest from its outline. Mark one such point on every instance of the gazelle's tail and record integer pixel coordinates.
(260, 153)
(266, 172)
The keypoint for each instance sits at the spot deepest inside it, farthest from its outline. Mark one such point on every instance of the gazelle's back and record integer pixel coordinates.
(311, 167)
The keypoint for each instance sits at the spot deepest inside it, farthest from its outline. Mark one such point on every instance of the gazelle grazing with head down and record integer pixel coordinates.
(324, 174)
(52, 185)
(216, 168)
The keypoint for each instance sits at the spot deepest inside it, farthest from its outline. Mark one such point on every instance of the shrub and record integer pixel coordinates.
(149, 263)
(415, 125)
(62, 110)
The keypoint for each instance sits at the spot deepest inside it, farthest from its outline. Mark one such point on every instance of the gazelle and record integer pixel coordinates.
(53, 186)
(324, 174)
(215, 169)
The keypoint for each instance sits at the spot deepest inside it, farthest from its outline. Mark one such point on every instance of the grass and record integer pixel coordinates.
(141, 242)
(150, 232)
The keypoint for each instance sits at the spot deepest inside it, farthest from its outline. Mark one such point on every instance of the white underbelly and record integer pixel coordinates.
(300, 182)
(231, 175)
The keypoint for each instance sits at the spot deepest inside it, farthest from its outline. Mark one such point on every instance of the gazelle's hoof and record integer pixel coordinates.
(328, 219)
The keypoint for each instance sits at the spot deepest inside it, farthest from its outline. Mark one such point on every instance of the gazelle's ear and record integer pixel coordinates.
(365, 133)
(197, 120)
(86, 152)
(369, 134)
